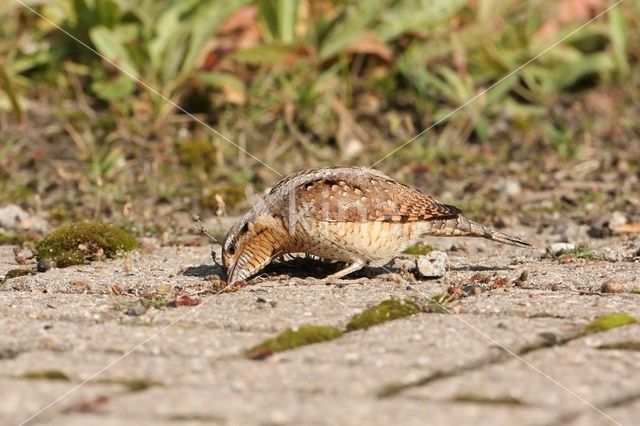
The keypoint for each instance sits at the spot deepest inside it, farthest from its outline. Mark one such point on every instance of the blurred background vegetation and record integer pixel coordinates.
(87, 129)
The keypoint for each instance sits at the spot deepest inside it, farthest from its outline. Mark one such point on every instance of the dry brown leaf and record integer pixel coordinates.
(370, 44)
(239, 31)
(116, 289)
(18, 257)
(628, 228)
(245, 18)
(567, 12)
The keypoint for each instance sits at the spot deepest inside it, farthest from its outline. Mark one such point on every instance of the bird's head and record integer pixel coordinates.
(250, 245)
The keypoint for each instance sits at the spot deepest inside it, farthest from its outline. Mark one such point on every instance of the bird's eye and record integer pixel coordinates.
(231, 249)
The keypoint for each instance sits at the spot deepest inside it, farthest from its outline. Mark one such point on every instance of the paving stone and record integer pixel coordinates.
(72, 321)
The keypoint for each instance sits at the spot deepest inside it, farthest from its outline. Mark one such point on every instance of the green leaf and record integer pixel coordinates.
(599, 63)
(619, 35)
(201, 26)
(7, 85)
(109, 44)
(280, 18)
(349, 25)
(409, 15)
(114, 90)
(270, 54)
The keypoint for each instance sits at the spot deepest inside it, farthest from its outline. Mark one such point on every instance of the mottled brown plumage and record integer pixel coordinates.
(356, 215)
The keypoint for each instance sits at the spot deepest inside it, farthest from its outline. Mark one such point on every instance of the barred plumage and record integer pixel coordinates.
(356, 215)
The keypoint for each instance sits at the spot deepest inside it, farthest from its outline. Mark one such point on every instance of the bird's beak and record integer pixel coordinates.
(248, 264)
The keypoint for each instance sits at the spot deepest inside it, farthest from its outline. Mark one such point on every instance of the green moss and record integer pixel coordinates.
(45, 375)
(481, 399)
(608, 322)
(293, 338)
(157, 302)
(198, 417)
(147, 230)
(13, 273)
(133, 385)
(77, 243)
(387, 310)
(15, 194)
(64, 212)
(197, 154)
(418, 250)
(13, 238)
(438, 303)
(391, 389)
(231, 195)
(581, 252)
(627, 345)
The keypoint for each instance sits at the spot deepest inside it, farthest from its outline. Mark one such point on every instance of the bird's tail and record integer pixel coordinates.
(463, 227)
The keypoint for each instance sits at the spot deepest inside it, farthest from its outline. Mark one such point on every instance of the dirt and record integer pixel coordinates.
(508, 352)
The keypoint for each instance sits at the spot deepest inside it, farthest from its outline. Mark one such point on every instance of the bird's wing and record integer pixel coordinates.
(358, 195)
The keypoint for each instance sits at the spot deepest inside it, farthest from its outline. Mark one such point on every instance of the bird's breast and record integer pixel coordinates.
(350, 241)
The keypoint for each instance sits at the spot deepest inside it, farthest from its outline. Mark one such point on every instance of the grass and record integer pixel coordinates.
(104, 143)
(582, 251)
(13, 238)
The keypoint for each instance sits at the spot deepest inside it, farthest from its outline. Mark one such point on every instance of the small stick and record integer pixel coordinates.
(203, 230)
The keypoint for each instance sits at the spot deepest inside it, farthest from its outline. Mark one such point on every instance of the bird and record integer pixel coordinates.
(356, 215)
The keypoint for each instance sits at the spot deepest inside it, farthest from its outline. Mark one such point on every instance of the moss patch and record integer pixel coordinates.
(197, 154)
(293, 338)
(13, 238)
(418, 250)
(391, 389)
(231, 194)
(481, 399)
(157, 302)
(20, 272)
(80, 242)
(387, 310)
(133, 385)
(45, 375)
(580, 252)
(197, 417)
(608, 322)
(441, 303)
(627, 345)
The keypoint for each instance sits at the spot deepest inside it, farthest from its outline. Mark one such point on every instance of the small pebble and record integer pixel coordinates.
(44, 264)
(136, 310)
(403, 264)
(603, 227)
(557, 248)
(432, 265)
(610, 255)
(612, 286)
(473, 289)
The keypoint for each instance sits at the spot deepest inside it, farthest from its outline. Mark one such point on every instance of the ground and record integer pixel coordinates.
(148, 339)
(524, 115)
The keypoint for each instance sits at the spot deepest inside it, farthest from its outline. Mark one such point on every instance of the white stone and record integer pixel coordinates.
(432, 265)
(557, 248)
(15, 217)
